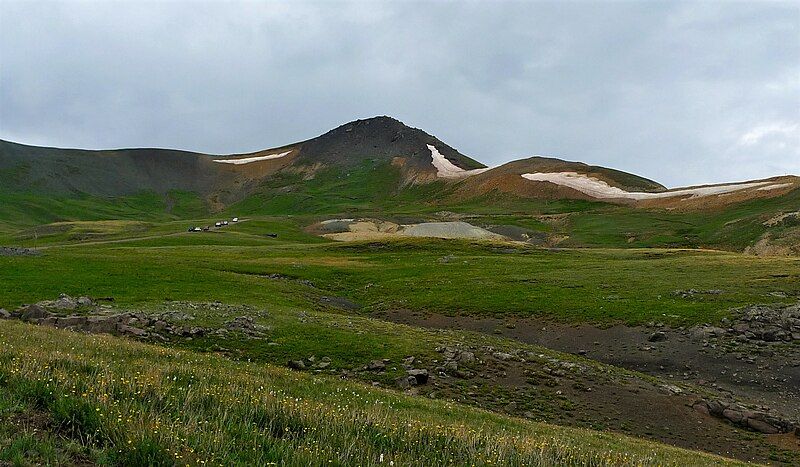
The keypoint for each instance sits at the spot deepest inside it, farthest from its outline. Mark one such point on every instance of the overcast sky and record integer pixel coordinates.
(679, 92)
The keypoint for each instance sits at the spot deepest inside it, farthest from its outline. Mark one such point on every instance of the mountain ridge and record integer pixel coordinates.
(405, 157)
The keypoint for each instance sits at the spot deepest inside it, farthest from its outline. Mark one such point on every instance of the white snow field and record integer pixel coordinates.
(247, 160)
(446, 169)
(600, 189)
(775, 187)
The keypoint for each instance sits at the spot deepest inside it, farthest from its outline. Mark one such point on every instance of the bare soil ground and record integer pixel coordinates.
(764, 376)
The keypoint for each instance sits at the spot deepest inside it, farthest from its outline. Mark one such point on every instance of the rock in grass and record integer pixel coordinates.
(406, 381)
(296, 365)
(14, 251)
(465, 357)
(65, 302)
(376, 365)
(32, 313)
(124, 329)
(421, 376)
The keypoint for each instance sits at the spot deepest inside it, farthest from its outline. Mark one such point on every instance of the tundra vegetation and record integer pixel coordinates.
(595, 333)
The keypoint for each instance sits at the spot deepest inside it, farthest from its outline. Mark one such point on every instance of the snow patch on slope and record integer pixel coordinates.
(600, 189)
(248, 160)
(775, 187)
(446, 169)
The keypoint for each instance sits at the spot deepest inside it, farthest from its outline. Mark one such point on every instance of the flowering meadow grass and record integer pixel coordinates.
(72, 398)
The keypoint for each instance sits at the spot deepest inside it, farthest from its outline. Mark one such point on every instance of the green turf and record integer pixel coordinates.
(109, 401)
(235, 264)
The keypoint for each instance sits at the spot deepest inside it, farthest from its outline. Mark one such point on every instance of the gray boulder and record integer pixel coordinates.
(32, 313)
(65, 302)
(421, 375)
(101, 324)
(406, 382)
(657, 336)
(465, 357)
(124, 329)
(296, 365)
(376, 365)
(761, 426)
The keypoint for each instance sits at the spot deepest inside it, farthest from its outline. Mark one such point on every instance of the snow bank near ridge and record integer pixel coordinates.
(774, 187)
(600, 189)
(446, 169)
(248, 160)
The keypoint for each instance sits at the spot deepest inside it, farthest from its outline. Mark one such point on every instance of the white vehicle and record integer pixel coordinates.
(217, 224)
(198, 229)
(224, 222)
(235, 219)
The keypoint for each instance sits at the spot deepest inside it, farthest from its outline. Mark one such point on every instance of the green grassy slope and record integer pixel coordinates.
(24, 210)
(69, 398)
(363, 186)
(236, 264)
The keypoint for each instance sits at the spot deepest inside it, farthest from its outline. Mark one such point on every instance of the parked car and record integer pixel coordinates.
(191, 229)
(206, 228)
(224, 222)
(217, 224)
(198, 229)
(272, 235)
(235, 219)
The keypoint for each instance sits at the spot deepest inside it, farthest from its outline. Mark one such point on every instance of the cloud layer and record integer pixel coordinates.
(679, 92)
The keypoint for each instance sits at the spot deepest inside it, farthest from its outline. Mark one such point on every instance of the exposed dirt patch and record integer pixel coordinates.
(541, 387)
(31, 421)
(768, 373)
(377, 229)
(764, 375)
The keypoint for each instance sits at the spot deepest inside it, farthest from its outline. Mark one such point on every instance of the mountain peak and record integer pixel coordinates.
(380, 138)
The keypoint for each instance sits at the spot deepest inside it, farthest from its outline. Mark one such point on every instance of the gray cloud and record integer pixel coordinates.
(679, 92)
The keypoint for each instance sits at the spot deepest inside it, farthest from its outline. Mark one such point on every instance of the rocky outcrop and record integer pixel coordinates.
(691, 293)
(15, 251)
(64, 302)
(310, 363)
(247, 326)
(121, 324)
(755, 420)
(761, 323)
(87, 316)
(376, 365)
(30, 313)
(420, 375)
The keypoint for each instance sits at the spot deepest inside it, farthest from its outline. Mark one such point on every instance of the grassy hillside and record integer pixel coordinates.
(68, 398)
(162, 261)
(366, 168)
(22, 210)
(319, 297)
